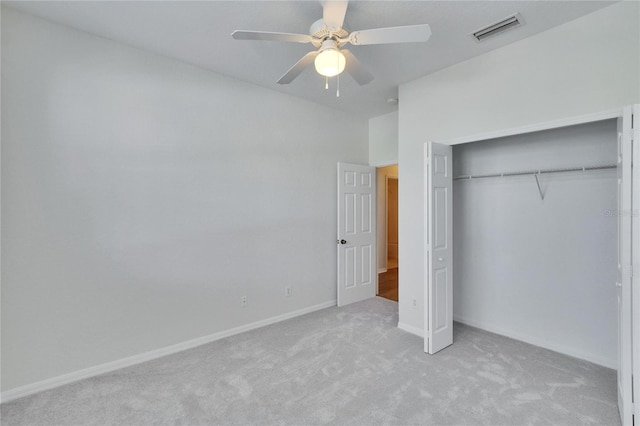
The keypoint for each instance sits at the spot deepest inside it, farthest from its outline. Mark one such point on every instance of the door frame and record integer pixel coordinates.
(635, 244)
(386, 214)
(385, 208)
(531, 128)
(616, 113)
(624, 281)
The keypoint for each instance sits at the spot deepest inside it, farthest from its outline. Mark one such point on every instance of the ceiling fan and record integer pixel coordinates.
(329, 36)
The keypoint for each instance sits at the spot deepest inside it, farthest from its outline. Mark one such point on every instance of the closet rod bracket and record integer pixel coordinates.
(538, 183)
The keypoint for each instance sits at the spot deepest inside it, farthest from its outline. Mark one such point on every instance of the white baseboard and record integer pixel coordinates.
(64, 379)
(539, 342)
(411, 329)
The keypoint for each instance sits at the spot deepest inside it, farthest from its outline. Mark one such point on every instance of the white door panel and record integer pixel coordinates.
(439, 252)
(357, 277)
(624, 280)
(635, 251)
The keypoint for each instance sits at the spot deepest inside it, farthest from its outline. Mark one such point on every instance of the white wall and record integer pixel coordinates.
(383, 140)
(142, 197)
(584, 66)
(540, 270)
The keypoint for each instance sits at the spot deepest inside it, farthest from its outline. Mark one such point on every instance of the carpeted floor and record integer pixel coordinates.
(347, 365)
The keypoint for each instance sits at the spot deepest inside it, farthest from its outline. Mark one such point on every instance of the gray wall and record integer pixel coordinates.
(543, 271)
(383, 140)
(142, 197)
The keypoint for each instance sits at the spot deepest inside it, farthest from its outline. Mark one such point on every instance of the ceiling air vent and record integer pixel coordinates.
(508, 23)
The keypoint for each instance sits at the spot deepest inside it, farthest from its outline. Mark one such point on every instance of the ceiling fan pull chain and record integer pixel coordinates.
(326, 83)
(338, 77)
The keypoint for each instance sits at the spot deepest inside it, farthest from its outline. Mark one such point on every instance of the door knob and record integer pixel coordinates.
(342, 241)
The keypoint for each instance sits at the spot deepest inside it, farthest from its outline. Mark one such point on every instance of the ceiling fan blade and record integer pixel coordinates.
(295, 70)
(270, 36)
(407, 34)
(356, 70)
(333, 13)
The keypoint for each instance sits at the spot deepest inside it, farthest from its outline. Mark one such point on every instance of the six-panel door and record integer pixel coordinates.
(356, 242)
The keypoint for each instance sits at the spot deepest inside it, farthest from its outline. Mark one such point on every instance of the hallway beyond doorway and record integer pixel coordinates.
(388, 284)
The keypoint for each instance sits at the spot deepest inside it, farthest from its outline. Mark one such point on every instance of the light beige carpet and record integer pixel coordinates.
(337, 366)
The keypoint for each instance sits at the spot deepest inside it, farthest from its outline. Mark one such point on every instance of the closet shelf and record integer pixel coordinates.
(537, 172)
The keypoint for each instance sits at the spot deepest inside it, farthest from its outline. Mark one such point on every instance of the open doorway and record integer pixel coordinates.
(388, 259)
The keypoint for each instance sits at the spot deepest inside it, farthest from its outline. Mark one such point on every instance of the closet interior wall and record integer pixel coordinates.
(540, 270)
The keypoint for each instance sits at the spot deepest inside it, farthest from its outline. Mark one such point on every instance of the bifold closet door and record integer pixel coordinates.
(439, 247)
(635, 250)
(628, 184)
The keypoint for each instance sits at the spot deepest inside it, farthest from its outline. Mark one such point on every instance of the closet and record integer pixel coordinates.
(533, 233)
(535, 238)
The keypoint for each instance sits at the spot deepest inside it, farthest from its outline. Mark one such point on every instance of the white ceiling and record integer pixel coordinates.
(198, 32)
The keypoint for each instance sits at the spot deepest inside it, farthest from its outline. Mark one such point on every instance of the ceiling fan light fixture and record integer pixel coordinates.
(330, 61)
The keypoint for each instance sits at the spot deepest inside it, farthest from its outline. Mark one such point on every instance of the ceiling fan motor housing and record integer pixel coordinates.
(320, 31)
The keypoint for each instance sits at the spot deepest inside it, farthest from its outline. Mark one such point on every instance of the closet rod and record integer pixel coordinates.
(537, 172)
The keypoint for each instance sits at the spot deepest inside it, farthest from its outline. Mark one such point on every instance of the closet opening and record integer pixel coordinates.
(535, 238)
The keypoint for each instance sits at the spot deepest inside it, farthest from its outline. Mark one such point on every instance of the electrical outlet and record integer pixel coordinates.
(243, 301)
(415, 303)
(287, 291)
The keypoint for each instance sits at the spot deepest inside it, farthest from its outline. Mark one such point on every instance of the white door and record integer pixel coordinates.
(357, 270)
(624, 278)
(439, 252)
(635, 248)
